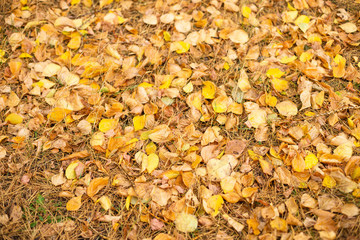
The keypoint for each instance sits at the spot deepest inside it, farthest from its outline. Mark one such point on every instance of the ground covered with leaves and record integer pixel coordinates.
(171, 119)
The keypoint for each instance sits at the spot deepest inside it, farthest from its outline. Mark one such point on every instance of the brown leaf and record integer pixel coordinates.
(82, 154)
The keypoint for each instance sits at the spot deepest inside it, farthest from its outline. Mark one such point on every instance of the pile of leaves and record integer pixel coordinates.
(170, 119)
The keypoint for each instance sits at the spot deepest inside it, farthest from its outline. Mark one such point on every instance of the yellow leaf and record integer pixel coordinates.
(280, 84)
(314, 38)
(286, 60)
(254, 156)
(139, 122)
(127, 202)
(103, 3)
(227, 184)
(145, 85)
(356, 193)
(70, 170)
(329, 182)
(303, 22)
(220, 104)
(105, 202)
(58, 114)
(166, 82)
(150, 148)
(209, 89)
(167, 36)
(246, 11)
(25, 55)
(180, 47)
(356, 173)
(306, 56)
(279, 224)
(266, 166)
(226, 66)
(74, 42)
(87, 3)
(215, 202)
(298, 163)
(107, 124)
(339, 70)
(274, 73)
(270, 100)
(96, 185)
(188, 88)
(171, 174)
(74, 2)
(14, 118)
(319, 98)
(289, 16)
(253, 223)
(152, 162)
(291, 8)
(309, 114)
(74, 204)
(310, 161)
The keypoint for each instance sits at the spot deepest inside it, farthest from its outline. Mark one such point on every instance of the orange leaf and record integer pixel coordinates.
(96, 185)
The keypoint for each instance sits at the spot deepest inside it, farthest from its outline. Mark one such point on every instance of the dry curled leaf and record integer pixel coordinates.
(96, 185)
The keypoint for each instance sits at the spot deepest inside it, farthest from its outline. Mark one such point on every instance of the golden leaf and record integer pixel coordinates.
(14, 118)
(152, 162)
(96, 185)
(339, 69)
(139, 122)
(107, 124)
(58, 114)
(215, 202)
(310, 161)
(74, 204)
(220, 104)
(279, 224)
(209, 89)
(274, 73)
(329, 181)
(246, 11)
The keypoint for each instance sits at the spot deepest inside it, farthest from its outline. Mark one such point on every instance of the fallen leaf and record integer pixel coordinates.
(287, 108)
(96, 185)
(107, 124)
(74, 204)
(105, 202)
(14, 118)
(239, 36)
(348, 27)
(185, 222)
(209, 89)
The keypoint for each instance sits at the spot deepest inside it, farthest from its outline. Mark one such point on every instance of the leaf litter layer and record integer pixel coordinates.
(180, 119)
